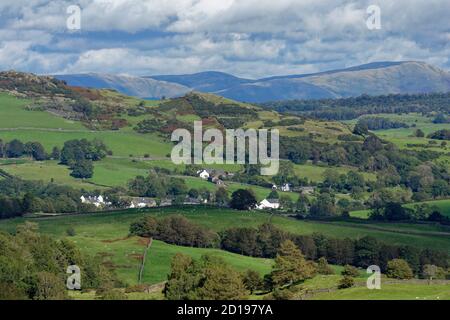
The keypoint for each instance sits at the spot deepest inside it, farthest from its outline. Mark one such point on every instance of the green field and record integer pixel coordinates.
(13, 115)
(157, 265)
(107, 233)
(404, 136)
(120, 143)
(115, 225)
(442, 205)
(397, 291)
(315, 173)
(47, 171)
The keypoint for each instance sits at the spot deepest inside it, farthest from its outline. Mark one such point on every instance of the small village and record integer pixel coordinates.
(217, 177)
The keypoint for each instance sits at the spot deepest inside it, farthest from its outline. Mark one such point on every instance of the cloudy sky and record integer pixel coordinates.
(249, 38)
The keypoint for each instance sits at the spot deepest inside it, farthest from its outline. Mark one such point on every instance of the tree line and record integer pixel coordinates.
(212, 278)
(265, 241)
(380, 123)
(77, 154)
(354, 107)
(19, 197)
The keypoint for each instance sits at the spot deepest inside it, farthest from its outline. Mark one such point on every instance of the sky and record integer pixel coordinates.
(247, 38)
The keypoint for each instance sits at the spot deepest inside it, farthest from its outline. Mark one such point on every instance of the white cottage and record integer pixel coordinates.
(97, 201)
(268, 204)
(203, 174)
(140, 202)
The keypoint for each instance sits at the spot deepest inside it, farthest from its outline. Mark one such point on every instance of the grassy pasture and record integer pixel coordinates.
(47, 171)
(315, 173)
(115, 225)
(121, 143)
(160, 255)
(14, 115)
(390, 291)
(107, 234)
(442, 205)
(404, 136)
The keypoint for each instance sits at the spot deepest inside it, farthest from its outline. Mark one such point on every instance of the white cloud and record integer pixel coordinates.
(248, 37)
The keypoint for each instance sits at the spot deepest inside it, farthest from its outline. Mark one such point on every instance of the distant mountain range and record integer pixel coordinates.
(373, 79)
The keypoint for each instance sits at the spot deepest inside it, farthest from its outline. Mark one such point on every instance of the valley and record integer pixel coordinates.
(343, 182)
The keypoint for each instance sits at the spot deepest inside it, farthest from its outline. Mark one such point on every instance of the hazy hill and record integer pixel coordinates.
(373, 79)
(210, 81)
(129, 85)
(378, 78)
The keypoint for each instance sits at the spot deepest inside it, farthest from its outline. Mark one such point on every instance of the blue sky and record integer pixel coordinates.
(248, 38)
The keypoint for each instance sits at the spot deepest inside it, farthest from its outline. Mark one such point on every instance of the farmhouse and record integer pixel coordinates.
(142, 203)
(286, 187)
(97, 201)
(268, 204)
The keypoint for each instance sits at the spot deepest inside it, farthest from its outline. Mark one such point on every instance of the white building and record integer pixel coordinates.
(203, 174)
(142, 203)
(268, 204)
(286, 187)
(97, 201)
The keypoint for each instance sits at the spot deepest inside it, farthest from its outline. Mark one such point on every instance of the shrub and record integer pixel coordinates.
(70, 232)
(252, 281)
(346, 282)
(399, 269)
(243, 200)
(350, 271)
(113, 294)
(323, 267)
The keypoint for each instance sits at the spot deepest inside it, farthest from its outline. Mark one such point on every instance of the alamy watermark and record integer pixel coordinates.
(74, 280)
(236, 141)
(73, 21)
(373, 22)
(374, 280)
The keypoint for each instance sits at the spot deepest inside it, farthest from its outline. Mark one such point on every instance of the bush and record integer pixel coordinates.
(70, 232)
(83, 169)
(252, 281)
(350, 271)
(399, 269)
(283, 294)
(210, 278)
(113, 294)
(137, 288)
(243, 200)
(346, 282)
(323, 267)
